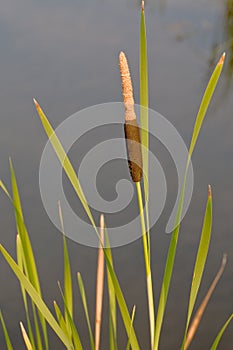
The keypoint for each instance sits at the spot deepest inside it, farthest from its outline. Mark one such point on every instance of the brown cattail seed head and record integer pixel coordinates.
(127, 89)
(133, 144)
(132, 132)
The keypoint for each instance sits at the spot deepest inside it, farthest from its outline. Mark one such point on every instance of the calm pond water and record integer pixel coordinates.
(65, 53)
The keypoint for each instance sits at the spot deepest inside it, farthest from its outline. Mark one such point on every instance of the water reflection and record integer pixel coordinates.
(228, 32)
(224, 43)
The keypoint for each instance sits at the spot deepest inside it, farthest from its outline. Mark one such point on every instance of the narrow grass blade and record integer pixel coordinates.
(132, 319)
(200, 260)
(37, 329)
(75, 183)
(220, 334)
(74, 331)
(84, 301)
(201, 254)
(99, 286)
(150, 295)
(20, 251)
(36, 298)
(65, 162)
(20, 260)
(5, 189)
(68, 292)
(175, 234)
(144, 118)
(61, 320)
(21, 264)
(121, 302)
(144, 98)
(205, 102)
(112, 301)
(166, 281)
(25, 337)
(198, 316)
(30, 265)
(67, 283)
(6, 335)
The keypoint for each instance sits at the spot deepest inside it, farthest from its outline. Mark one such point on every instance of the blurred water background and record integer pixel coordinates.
(65, 53)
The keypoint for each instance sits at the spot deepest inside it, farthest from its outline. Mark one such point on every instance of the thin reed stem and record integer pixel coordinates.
(135, 166)
(99, 285)
(150, 296)
(198, 316)
(143, 226)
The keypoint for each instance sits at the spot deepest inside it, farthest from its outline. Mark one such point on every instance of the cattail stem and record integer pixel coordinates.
(150, 296)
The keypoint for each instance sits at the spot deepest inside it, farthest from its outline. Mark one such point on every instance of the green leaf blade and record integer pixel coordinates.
(27, 252)
(175, 234)
(122, 304)
(74, 331)
(205, 102)
(220, 334)
(132, 320)
(84, 301)
(144, 102)
(25, 337)
(112, 301)
(65, 162)
(61, 320)
(36, 298)
(200, 260)
(68, 291)
(21, 263)
(6, 335)
(201, 255)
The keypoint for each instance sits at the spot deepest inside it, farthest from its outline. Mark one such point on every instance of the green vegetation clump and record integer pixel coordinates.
(25, 268)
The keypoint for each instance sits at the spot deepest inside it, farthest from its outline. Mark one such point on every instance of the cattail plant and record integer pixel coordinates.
(133, 143)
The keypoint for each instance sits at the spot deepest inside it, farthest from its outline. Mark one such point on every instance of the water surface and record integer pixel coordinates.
(66, 55)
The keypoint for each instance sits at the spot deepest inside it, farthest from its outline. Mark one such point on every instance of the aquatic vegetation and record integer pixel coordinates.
(62, 323)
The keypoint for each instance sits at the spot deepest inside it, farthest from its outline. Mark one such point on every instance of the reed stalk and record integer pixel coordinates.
(99, 285)
(198, 316)
(133, 144)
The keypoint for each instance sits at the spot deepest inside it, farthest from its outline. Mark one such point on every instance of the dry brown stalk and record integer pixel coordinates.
(198, 316)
